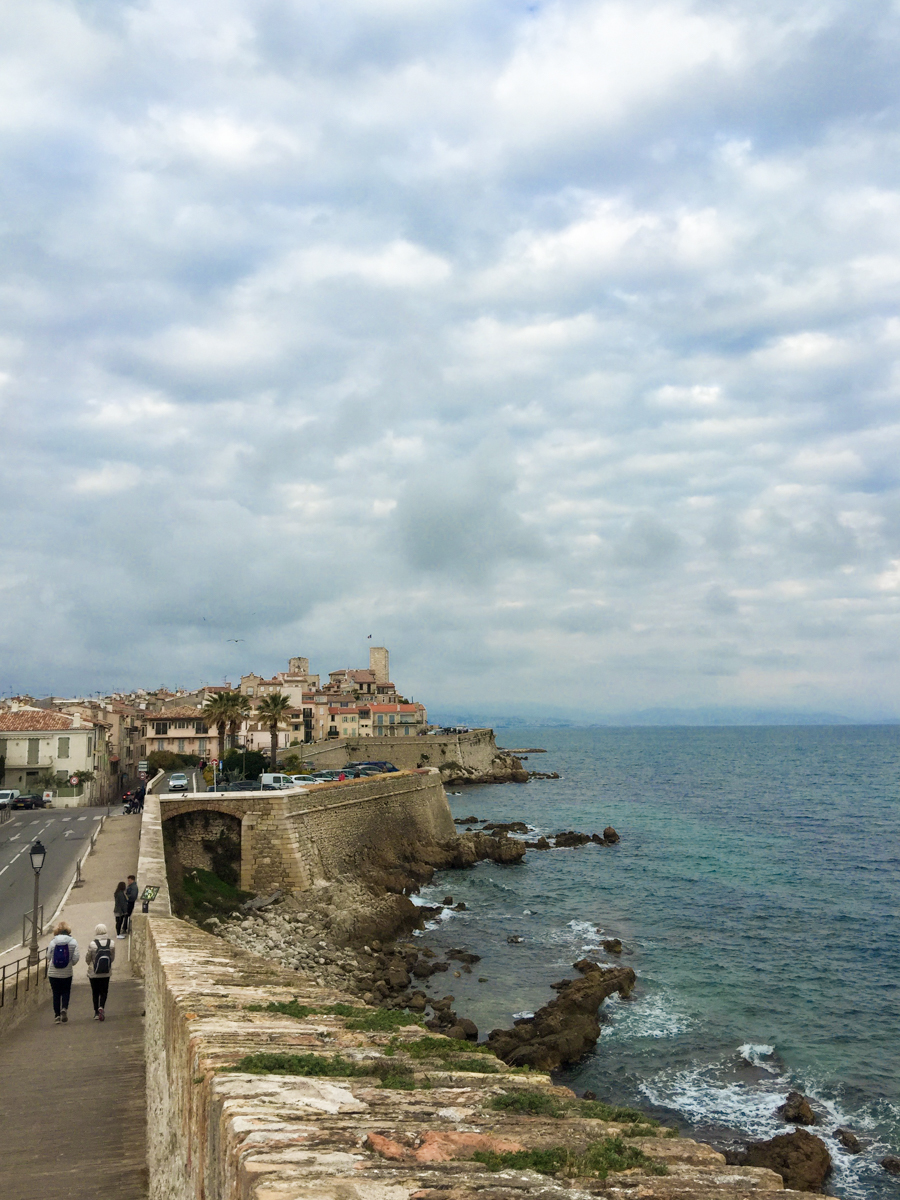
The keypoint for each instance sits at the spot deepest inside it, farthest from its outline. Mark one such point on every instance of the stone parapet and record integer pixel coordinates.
(376, 1115)
(151, 869)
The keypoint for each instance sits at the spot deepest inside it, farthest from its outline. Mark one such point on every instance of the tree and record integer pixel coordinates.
(218, 711)
(240, 710)
(271, 711)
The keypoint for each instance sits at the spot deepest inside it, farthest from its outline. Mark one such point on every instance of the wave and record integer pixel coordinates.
(649, 1016)
(755, 1052)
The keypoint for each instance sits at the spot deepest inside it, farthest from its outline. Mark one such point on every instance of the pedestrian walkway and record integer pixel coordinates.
(72, 1097)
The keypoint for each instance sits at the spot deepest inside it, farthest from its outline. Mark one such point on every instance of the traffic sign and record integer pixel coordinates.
(143, 765)
(73, 780)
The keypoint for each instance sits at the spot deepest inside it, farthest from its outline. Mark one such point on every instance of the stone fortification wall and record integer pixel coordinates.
(475, 751)
(151, 869)
(359, 1136)
(291, 839)
(354, 819)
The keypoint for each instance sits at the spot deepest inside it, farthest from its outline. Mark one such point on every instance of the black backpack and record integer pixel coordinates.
(103, 958)
(61, 956)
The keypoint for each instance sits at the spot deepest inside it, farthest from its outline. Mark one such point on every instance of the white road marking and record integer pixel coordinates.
(6, 868)
(13, 837)
(67, 818)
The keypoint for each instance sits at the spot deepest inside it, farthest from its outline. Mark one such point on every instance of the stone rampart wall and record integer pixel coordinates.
(151, 869)
(475, 750)
(291, 839)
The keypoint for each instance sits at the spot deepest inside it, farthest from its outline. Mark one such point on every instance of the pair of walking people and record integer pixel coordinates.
(63, 954)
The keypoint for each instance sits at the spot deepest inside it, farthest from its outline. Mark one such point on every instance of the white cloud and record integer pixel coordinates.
(108, 479)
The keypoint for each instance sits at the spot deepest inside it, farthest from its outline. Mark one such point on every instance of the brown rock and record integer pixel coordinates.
(386, 1147)
(797, 1110)
(612, 946)
(801, 1159)
(848, 1140)
(570, 838)
(891, 1164)
(566, 1028)
(610, 836)
(442, 1145)
(540, 844)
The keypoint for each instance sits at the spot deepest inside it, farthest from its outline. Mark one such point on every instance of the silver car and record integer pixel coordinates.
(178, 782)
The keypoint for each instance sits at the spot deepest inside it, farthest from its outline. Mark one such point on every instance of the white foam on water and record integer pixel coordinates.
(755, 1052)
(651, 1016)
(524, 1015)
(704, 1099)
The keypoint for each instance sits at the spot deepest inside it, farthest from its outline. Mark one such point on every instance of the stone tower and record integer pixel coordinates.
(379, 664)
(298, 666)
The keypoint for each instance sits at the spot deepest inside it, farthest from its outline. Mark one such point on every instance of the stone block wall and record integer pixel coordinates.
(475, 750)
(291, 839)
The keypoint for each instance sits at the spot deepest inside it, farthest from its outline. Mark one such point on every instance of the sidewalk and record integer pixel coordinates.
(72, 1097)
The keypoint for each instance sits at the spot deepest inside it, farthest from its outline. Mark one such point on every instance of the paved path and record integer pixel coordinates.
(72, 1098)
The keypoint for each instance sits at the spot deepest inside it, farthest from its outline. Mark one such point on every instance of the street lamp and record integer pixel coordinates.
(37, 854)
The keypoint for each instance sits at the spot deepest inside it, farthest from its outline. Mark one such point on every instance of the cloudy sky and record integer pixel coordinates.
(553, 344)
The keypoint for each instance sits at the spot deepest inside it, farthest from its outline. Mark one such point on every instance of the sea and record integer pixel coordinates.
(756, 892)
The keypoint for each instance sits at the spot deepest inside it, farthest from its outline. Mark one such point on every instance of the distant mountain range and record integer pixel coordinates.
(553, 717)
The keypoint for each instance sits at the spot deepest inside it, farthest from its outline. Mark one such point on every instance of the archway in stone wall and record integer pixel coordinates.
(203, 860)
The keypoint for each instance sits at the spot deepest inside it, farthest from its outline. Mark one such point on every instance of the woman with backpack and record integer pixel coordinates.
(99, 959)
(120, 908)
(62, 955)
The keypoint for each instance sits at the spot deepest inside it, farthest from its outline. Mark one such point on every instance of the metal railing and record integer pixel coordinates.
(27, 922)
(20, 976)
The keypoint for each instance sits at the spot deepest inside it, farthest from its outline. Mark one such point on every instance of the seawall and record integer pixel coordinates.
(460, 757)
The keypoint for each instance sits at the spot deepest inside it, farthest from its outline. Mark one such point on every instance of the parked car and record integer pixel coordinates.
(382, 766)
(7, 795)
(28, 800)
(178, 782)
(304, 779)
(270, 780)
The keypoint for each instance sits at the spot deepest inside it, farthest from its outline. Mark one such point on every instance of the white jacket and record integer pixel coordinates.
(62, 972)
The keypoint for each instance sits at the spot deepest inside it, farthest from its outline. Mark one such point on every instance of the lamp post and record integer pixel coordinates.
(37, 855)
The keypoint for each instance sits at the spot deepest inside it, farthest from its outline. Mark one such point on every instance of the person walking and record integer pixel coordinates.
(120, 908)
(62, 955)
(132, 893)
(99, 958)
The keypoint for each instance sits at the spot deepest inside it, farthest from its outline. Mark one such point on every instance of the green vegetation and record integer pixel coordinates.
(166, 760)
(200, 894)
(392, 1075)
(540, 1104)
(448, 1051)
(610, 1154)
(365, 1020)
(244, 764)
(225, 856)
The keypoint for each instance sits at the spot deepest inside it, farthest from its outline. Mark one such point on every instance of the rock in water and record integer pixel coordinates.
(571, 838)
(848, 1140)
(891, 1164)
(566, 1028)
(801, 1159)
(610, 836)
(797, 1110)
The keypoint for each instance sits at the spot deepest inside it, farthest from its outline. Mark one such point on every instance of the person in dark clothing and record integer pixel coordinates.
(132, 893)
(139, 797)
(120, 909)
(99, 958)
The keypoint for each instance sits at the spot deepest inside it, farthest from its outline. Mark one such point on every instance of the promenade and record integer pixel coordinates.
(72, 1097)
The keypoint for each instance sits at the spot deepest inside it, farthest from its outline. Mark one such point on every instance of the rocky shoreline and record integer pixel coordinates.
(353, 936)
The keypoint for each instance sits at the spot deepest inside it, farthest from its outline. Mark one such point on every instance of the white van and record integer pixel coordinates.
(279, 782)
(7, 795)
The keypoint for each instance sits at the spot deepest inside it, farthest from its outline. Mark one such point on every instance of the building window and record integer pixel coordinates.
(201, 747)
(62, 747)
(391, 718)
(161, 727)
(33, 750)
(160, 745)
(181, 745)
(90, 746)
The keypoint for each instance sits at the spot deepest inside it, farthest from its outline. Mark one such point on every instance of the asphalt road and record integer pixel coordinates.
(65, 833)
(196, 782)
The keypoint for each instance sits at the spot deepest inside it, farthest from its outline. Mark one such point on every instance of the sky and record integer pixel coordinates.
(554, 345)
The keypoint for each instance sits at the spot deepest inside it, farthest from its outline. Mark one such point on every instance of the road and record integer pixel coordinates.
(65, 833)
(196, 782)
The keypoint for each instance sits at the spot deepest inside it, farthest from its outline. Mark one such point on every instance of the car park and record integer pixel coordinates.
(178, 782)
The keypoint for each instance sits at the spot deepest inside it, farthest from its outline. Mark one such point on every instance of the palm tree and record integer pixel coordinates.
(272, 710)
(217, 710)
(240, 709)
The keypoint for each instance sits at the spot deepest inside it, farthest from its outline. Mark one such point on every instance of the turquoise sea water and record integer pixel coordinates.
(757, 891)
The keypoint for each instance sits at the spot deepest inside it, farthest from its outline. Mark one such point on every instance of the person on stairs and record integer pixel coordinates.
(62, 955)
(99, 958)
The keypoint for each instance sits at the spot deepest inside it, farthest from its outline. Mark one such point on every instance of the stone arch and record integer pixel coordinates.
(208, 838)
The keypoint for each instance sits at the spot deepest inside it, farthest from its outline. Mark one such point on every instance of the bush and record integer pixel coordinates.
(241, 764)
(611, 1154)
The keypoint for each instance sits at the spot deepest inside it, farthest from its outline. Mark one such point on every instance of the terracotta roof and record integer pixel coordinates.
(32, 719)
(389, 708)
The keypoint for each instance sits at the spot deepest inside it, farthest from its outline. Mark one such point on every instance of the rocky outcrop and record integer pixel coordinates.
(801, 1159)
(504, 768)
(797, 1110)
(848, 1140)
(566, 1028)
(891, 1164)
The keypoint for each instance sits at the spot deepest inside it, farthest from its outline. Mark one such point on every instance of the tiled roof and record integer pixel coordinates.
(393, 708)
(35, 720)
